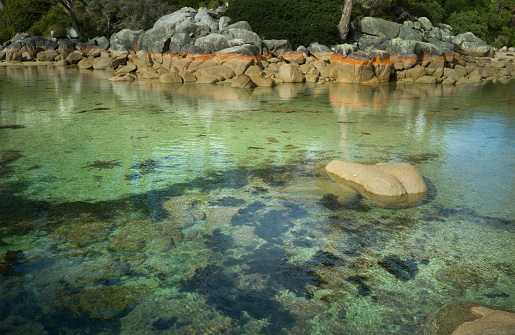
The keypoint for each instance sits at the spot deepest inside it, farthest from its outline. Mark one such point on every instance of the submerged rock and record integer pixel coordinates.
(403, 270)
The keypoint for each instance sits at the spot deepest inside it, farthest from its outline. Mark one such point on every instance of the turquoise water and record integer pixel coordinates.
(149, 208)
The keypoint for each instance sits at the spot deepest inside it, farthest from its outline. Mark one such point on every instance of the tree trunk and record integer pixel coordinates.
(344, 24)
(69, 8)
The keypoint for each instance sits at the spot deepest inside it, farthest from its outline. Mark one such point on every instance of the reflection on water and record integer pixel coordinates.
(151, 208)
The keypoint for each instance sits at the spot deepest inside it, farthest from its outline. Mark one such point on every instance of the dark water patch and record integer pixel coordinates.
(34, 167)
(219, 242)
(147, 166)
(403, 270)
(7, 157)
(164, 324)
(259, 190)
(253, 289)
(273, 224)
(224, 293)
(13, 126)
(497, 295)
(12, 263)
(302, 243)
(246, 215)
(330, 201)
(132, 176)
(14, 208)
(228, 202)
(68, 319)
(421, 158)
(507, 268)
(325, 258)
(360, 282)
(99, 165)
(441, 213)
(272, 261)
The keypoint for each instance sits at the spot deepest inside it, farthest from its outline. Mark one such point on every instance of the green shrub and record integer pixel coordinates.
(465, 21)
(19, 15)
(299, 21)
(55, 19)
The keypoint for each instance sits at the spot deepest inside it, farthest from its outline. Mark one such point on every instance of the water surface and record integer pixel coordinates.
(151, 208)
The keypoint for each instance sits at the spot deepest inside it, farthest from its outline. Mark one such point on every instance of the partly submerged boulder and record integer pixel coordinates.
(459, 318)
(490, 321)
(393, 182)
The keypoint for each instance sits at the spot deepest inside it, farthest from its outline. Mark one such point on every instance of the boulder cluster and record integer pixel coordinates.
(204, 46)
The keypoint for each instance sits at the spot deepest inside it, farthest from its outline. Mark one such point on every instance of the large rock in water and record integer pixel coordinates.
(490, 321)
(386, 180)
(470, 319)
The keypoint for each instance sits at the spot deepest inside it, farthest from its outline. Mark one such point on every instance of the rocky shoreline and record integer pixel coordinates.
(202, 46)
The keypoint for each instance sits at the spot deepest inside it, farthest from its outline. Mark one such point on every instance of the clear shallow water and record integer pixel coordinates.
(149, 208)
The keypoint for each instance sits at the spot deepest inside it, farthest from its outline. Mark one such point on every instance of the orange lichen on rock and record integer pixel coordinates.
(294, 57)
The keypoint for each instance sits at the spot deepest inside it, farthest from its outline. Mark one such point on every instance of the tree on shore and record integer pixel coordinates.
(71, 10)
(344, 24)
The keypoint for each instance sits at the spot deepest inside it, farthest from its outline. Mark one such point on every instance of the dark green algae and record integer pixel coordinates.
(232, 287)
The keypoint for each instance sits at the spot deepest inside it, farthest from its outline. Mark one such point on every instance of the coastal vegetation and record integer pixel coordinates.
(301, 22)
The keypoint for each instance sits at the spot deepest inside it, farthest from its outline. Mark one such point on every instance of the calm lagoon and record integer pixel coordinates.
(149, 208)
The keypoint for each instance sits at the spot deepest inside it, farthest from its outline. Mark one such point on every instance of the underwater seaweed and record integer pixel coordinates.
(99, 165)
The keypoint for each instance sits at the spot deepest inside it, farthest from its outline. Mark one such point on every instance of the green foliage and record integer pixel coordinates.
(54, 19)
(465, 21)
(490, 22)
(299, 21)
(19, 15)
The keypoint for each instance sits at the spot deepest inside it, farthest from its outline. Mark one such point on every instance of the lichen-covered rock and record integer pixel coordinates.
(125, 40)
(378, 27)
(362, 67)
(212, 43)
(101, 42)
(294, 57)
(277, 47)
